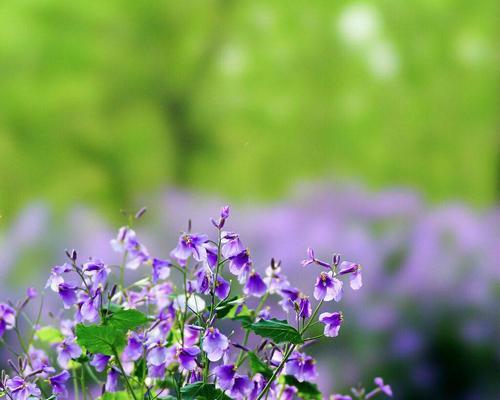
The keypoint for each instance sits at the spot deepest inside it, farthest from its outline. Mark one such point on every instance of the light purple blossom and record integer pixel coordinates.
(68, 295)
(301, 366)
(58, 383)
(161, 269)
(67, 350)
(255, 286)
(386, 389)
(7, 318)
(354, 270)
(99, 362)
(215, 344)
(332, 323)
(190, 245)
(21, 389)
(187, 357)
(222, 288)
(112, 380)
(327, 288)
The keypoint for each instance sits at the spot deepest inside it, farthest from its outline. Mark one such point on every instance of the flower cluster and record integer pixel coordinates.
(201, 324)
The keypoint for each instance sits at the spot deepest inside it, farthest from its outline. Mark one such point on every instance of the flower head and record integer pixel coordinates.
(386, 389)
(190, 245)
(332, 323)
(20, 389)
(215, 344)
(255, 286)
(327, 288)
(302, 366)
(58, 383)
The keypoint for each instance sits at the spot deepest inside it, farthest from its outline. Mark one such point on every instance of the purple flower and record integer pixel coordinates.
(88, 310)
(22, 390)
(222, 288)
(112, 380)
(386, 389)
(31, 292)
(161, 269)
(203, 280)
(126, 242)
(304, 306)
(302, 366)
(66, 350)
(332, 323)
(190, 245)
(187, 357)
(239, 264)
(311, 259)
(55, 278)
(224, 214)
(214, 344)
(67, 293)
(242, 386)
(39, 361)
(191, 335)
(134, 348)
(7, 318)
(340, 397)
(225, 375)
(327, 288)
(99, 362)
(274, 280)
(288, 298)
(255, 286)
(58, 383)
(231, 245)
(157, 355)
(289, 393)
(354, 270)
(97, 271)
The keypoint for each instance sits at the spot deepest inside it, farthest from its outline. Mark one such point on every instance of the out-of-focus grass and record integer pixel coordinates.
(100, 100)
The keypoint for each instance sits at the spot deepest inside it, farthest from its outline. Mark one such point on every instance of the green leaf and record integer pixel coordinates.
(278, 331)
(102, 339)
(49, 334)
(258, 366)
(114, 396)
(126, 320)
(226, 306)
(306, 390)
(202, 391)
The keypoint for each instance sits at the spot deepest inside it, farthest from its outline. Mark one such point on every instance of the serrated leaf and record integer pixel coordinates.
(258, 366)
(126, 320)
(306, 390)
(49, 334)
(202, 391)
(276, 330)
(102, 339)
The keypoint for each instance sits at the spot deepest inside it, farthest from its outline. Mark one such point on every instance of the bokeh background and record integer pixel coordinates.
(366, 127)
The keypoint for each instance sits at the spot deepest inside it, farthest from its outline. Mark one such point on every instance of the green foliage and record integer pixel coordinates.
(104, 339)
(102, 100)
(276, 330)
(306, 390)
(258, 366)
(125, 320)
(114, 396)
(49, 334)
(202, 391)
(111, 336)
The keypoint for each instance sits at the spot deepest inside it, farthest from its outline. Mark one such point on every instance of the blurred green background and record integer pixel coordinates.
(102, 100)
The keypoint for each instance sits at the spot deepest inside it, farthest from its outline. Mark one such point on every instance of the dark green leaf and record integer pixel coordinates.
(276, 330)
(306, 390)
(258, 366)
(100, 339)
(202, 391)
(226, 306)
(127, 319)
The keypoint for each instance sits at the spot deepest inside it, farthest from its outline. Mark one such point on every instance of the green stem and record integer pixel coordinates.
(127, 382)
(276, 372)
(75, 385)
